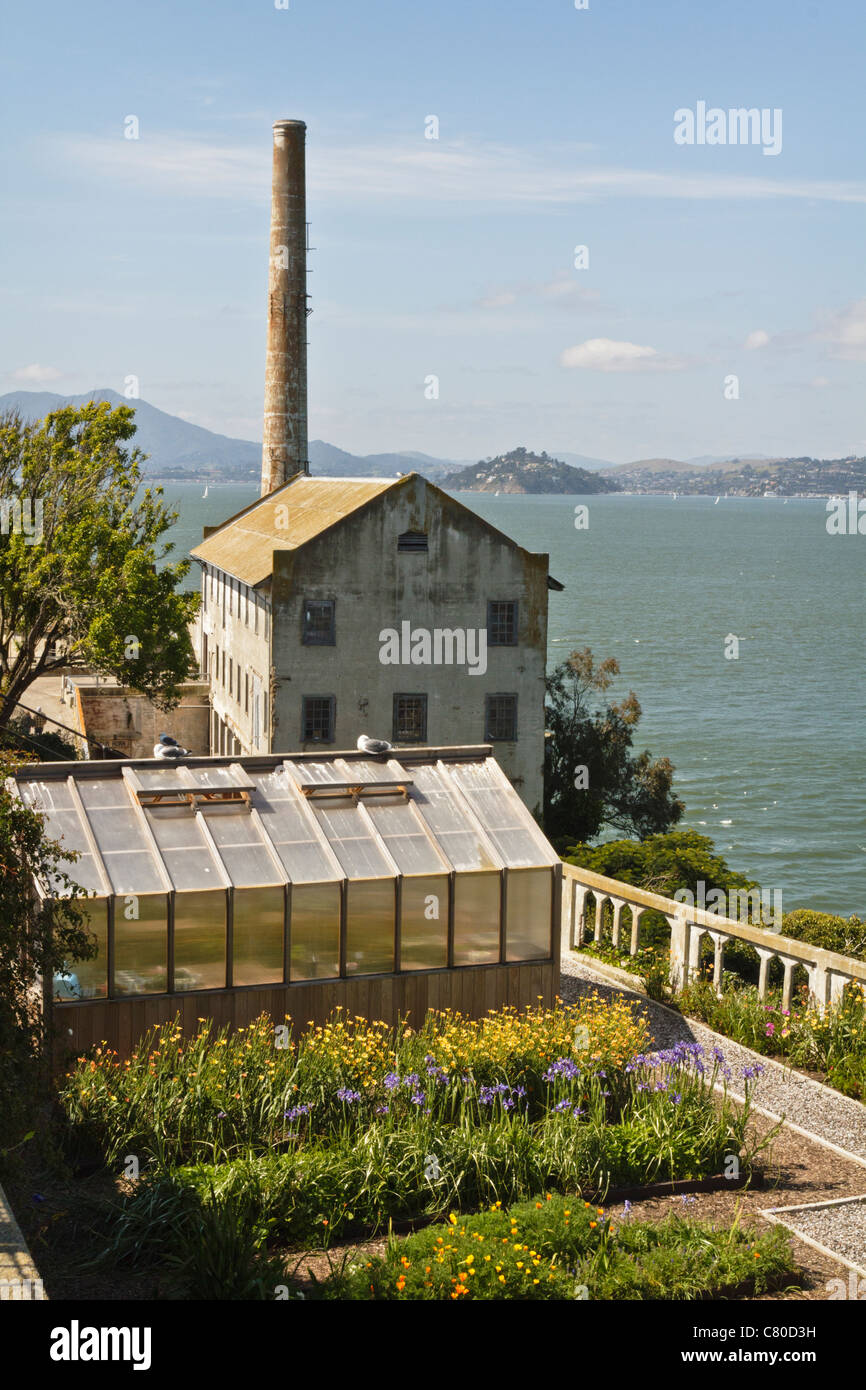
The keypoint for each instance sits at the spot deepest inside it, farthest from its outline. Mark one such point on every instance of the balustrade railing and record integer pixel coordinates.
(828, 972)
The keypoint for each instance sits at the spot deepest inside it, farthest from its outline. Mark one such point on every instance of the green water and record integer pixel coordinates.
(769, 749)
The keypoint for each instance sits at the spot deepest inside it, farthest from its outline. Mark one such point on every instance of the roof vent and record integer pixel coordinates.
(412, 541)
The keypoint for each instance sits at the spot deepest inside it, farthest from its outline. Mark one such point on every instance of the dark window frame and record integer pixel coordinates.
(328, 641)
(499, 695)
(395, 731)
(332, 718)
(493, 641)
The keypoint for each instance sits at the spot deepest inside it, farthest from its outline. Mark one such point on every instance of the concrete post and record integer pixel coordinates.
(680, 932)
(787, 986)
(284, 442)
(636, 914)
(600, 900)
(765, 957)
(618, 905)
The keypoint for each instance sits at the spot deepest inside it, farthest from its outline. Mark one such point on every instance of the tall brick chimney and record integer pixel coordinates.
(284, 447)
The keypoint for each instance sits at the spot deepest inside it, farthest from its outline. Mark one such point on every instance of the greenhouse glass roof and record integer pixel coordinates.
(143, 827)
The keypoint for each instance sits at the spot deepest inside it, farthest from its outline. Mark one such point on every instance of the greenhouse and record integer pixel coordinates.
(221, 875)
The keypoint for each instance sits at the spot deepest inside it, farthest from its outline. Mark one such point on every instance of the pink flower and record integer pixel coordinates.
(771, 1028)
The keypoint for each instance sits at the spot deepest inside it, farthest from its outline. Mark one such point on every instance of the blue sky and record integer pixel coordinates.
(455, 256)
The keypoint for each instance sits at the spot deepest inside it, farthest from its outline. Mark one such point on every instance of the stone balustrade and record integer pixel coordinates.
(828, 972)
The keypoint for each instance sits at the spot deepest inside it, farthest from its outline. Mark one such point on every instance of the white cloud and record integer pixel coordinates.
(497, 299)
(844, 332)
(563, 290)
(756, 339)
(605, 355)
(36, 372)
(418, 171)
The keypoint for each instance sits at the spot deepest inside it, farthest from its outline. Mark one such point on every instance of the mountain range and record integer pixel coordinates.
(179, 450)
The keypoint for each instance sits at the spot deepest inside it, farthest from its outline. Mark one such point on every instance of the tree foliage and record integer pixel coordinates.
(845, 935)
(82, 578)
(37, 938)
(663, 864)
(592, 779)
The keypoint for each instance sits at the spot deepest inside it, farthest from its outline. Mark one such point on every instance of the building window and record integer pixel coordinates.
(223, 669)
(500, 718)
(317, 718)
(231, 677)
(265, 713)
(410, 718)
(319, 626)
(265, 619)
(415, 541)
(501, 623)
(238, 669)
(255, 600)
(246, 692)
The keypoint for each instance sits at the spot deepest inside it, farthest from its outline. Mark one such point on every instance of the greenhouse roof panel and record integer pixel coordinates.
(144, 827)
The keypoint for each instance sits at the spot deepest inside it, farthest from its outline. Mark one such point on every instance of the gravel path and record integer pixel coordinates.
(841, 1228)
(822, 1112)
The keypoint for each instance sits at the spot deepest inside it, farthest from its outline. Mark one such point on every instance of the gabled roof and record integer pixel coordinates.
(244, 545)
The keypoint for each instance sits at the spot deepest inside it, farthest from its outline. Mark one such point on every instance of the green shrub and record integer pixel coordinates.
(564, 1249)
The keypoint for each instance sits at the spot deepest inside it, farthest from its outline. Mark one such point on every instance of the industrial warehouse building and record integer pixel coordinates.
(335, 606)
(225, 888)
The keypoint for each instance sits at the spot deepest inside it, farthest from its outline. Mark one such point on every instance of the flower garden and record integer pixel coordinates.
(240, 1149)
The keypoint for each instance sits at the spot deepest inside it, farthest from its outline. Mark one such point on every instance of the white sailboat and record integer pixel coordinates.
(204, 494)
(717, 501)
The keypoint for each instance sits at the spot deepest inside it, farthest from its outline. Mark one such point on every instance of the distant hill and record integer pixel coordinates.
(179, 450)
(667, 466)
(523, 472)
(174, 446)
(787, 477)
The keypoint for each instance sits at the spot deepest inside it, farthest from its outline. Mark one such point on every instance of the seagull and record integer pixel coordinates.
(168, 748)
(374, 745)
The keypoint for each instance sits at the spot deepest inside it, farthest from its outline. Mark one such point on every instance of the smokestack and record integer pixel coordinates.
(284, 447)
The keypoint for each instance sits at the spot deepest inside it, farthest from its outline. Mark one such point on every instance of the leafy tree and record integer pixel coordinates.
(44, 746)
(662, 864)
(81, 574)
(846, 935)
(592, 780)
(37, 937)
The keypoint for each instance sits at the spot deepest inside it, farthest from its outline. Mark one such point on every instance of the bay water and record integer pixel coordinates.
(769, 745)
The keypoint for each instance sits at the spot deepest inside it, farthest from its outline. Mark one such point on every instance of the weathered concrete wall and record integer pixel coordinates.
(377, 587)
(131, 724)
(236, 623)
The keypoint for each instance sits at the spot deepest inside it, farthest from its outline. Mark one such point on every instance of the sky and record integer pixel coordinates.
(719, 307)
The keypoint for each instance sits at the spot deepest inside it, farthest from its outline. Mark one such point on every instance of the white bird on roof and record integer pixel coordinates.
(374, 745)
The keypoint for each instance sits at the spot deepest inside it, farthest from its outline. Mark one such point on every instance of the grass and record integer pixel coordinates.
(557, 1248)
